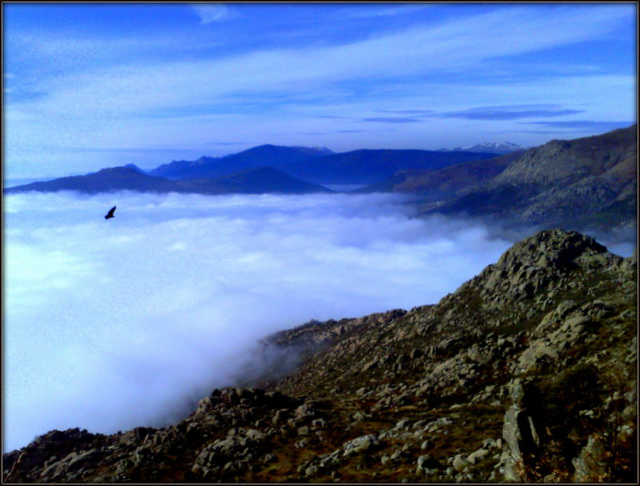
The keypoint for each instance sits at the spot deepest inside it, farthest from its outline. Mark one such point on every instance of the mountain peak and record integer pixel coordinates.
(134, 167)
(498, 148)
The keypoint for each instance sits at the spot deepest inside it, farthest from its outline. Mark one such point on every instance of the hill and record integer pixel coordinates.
(526, 373)
(254, 181)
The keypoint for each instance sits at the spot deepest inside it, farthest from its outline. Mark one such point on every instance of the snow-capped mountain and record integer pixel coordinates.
(491, 147)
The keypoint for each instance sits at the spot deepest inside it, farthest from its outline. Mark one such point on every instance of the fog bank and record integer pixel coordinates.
(115, 324)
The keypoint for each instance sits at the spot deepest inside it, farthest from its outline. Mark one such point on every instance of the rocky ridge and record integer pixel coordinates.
(584, 182)
(525, 373)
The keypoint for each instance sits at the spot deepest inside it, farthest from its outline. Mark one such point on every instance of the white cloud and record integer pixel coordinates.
(212, 12)
(379, 11)
(453, 46)
(110, 324)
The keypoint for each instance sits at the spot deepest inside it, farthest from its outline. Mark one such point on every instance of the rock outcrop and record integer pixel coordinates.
(527, 373)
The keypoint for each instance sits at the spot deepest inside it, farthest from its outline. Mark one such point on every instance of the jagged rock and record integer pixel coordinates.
(428, 463)
(477, 456)
(591, 465)
(359, 444)
(311, 471)
(460, 463)
(520, 430)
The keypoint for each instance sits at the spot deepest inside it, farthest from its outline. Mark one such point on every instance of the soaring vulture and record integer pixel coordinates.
(110, 213)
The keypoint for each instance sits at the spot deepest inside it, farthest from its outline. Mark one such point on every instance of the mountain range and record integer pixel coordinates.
(526, 373)
(582, 183)
(318, 165)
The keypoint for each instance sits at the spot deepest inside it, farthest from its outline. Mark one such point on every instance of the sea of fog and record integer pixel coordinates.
(110, 325)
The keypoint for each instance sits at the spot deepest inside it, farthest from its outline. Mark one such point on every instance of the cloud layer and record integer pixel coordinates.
(112, 325)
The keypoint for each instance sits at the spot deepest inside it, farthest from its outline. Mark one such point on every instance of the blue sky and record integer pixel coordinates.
(88, 86)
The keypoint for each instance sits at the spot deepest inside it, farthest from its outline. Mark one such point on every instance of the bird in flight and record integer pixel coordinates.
(110, 213)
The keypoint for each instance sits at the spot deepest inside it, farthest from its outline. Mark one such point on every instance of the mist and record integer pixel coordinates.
(110, 325)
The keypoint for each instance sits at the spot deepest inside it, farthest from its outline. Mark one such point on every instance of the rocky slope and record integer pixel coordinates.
(527, 373)
(447, 183)
(584, 182)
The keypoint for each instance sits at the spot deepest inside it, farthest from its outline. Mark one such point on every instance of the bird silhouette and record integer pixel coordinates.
(110, 213)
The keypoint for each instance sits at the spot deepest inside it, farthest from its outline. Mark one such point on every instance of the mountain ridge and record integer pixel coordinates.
(262, 155)
(257, 180)
(590, 180)
(319, 166)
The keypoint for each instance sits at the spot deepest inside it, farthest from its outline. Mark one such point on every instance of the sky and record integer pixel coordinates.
(96, 85)
(111, 325)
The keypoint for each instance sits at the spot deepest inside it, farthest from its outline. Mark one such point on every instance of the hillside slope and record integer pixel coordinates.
(527, 372)
(448, 182)
(584, 182)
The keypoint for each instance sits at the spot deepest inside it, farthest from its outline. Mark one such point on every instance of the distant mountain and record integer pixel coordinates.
(105, 180)
(576, 183)
(444, 183)
(261, 180)
(254, 181)
(314, 151)
(320, 166)
(498, 148)
(135, 167)
(262, 156)
(371, 166)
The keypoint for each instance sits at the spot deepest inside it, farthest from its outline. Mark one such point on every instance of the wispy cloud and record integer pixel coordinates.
(455, 45)
(589, 125)
(224, 144)
(390, 119)
(507, 113)
(408, 112)
(369, 12)
(333, 117)
(210, 13)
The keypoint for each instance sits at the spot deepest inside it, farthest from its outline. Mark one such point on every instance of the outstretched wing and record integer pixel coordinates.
(110, 213)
